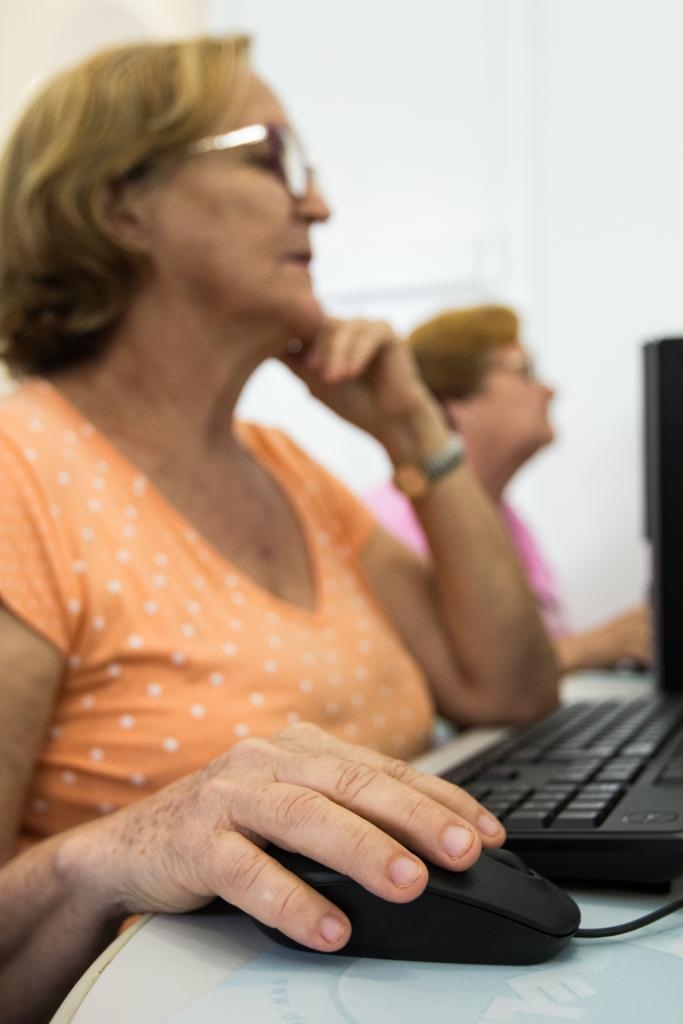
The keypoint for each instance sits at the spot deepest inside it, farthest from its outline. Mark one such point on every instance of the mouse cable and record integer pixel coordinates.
(630, 926)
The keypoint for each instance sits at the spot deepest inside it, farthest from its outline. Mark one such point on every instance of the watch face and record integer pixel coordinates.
(412, 481)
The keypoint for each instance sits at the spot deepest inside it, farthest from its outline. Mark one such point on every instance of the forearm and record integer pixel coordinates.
(506, 666)
(473, 624)
(54, 926)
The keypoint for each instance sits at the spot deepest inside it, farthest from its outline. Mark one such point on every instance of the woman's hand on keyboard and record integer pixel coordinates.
(624, 639)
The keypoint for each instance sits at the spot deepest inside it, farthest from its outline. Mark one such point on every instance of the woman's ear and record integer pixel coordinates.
(121, 211)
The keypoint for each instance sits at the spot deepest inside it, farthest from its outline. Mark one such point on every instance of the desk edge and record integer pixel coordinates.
(69, 1007)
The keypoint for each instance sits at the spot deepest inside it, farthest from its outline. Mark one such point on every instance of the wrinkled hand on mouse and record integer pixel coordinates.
(363, 814)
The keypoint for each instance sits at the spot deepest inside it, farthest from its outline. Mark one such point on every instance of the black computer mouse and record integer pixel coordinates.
(498, 912)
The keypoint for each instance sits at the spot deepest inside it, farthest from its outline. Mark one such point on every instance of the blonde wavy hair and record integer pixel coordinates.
(453, 349)
(64, 279)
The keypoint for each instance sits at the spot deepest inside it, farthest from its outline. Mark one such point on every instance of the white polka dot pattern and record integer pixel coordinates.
(173, 653)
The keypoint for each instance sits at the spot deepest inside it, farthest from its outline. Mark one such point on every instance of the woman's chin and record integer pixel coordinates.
(305, 320)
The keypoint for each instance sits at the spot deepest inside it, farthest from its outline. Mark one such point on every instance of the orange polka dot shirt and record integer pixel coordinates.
(171, 653)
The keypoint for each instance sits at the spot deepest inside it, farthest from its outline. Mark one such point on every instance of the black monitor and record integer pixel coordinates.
(663, 421)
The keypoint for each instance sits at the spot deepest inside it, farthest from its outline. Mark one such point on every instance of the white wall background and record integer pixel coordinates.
(522, 150)
(604, 235)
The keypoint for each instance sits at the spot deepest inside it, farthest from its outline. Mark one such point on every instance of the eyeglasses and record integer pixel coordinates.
(520, 365)
(285, 152)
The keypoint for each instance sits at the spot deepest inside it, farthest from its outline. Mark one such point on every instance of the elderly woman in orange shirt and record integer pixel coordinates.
(181, 596)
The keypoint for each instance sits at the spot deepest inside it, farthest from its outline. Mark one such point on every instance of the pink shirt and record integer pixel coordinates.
(395, 512)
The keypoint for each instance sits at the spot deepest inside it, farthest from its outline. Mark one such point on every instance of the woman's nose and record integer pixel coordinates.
(312, 204)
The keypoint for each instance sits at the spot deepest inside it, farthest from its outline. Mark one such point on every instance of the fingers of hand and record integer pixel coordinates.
(344, 350)
(348, 807)
(459, 801)
(631, 635)
(296, 817)
(247, 877)
(349, 800)
(490, 831)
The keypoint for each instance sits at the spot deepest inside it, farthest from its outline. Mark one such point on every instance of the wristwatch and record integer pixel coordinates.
(416, 479)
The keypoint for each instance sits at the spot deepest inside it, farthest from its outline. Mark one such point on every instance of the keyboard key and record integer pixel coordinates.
(639, 749)
(579, 805)
(512, 789)
(576, 775)
(495, 772)
(551, 806)
(521, 819)
(556, 793)
(570, 754)
(604, 800)
(619, 771)
(577, 819)
(525, 755)
(500, 802)
(499, 810)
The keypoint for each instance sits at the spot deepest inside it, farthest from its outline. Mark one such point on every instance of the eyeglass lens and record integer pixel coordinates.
(290, 156)
(522, 367)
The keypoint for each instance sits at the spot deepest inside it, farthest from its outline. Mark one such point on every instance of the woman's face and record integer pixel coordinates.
(224, 235)
(509, 416)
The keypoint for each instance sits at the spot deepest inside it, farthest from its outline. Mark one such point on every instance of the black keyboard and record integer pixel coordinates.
(592, 792)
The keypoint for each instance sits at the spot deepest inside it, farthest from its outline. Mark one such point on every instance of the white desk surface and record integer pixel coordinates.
(214, 966)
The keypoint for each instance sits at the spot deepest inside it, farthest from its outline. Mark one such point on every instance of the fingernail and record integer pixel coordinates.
(457, 841)
(404, 871)
(488, 825)
(331, 928)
